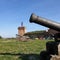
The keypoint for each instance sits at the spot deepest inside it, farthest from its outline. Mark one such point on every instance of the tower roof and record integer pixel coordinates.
(21, 28)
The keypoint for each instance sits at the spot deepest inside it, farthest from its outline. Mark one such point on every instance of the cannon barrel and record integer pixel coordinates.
(45, 22)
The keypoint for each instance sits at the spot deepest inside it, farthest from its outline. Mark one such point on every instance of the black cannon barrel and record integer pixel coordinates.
(45, 22)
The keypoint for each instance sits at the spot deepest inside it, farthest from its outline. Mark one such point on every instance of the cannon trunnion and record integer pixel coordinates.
(52, 47)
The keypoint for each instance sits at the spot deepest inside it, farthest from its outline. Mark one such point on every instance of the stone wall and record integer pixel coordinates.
(55, 57)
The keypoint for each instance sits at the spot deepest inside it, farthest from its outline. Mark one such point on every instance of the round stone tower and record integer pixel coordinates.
(21, 30)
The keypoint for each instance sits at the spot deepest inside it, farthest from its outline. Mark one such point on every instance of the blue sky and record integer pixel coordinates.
(13, 12)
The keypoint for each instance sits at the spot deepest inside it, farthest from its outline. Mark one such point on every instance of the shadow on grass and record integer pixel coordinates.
(23, 56)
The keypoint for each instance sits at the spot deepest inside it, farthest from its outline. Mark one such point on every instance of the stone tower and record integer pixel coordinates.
(21, 30)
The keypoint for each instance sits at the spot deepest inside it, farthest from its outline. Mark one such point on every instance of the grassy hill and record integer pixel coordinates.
(18, 50)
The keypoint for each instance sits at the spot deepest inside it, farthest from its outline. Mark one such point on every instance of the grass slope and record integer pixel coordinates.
(18, 50)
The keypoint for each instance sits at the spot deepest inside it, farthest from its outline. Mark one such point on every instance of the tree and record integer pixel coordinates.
(0, 37)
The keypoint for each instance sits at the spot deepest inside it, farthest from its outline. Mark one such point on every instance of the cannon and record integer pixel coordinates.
(52, 47)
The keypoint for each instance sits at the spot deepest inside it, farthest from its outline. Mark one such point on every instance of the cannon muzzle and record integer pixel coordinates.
(45, 22)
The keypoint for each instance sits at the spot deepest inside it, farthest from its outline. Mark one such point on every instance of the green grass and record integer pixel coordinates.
(18, 50)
